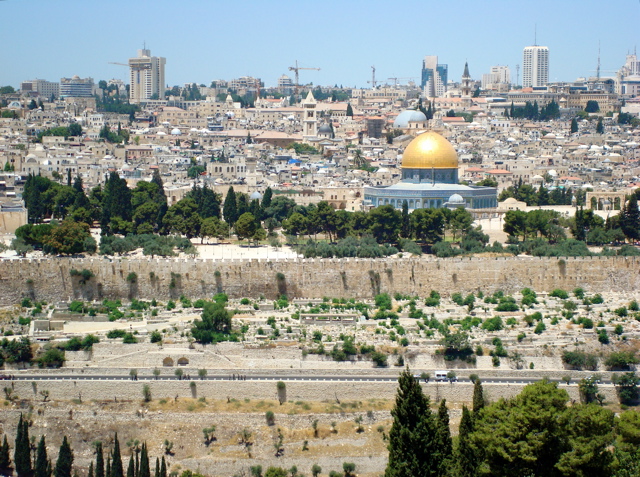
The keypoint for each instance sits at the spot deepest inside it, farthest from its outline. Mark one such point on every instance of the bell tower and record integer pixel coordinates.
(309, 119)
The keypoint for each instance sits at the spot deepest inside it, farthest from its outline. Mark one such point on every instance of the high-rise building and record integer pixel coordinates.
(434, 77)
(147, 77)
(76, 87)
(535, 66)
(499, 75)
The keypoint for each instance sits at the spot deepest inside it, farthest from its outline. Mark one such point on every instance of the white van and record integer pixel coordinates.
(441, 376)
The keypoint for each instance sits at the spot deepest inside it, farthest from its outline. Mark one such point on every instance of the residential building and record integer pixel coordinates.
(498, 75)
(535, 66)
(146, 77)
(628, 77)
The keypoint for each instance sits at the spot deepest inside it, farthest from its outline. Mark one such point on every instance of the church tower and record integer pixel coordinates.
(309, 118)
(466, 82)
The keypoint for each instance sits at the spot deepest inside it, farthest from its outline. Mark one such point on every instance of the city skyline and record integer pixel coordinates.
(205, 41)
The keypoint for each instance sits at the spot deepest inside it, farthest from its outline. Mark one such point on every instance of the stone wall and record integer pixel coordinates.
(50, 278)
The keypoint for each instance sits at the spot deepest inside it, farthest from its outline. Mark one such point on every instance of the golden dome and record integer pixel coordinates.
(430, 150)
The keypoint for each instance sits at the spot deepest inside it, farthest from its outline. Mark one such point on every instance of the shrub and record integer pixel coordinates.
(621, 360)
(132, 277)
(540, 327)
(621, 312)
(156, 337)
(580, 360)
(558, 293)
(270, 417)
(128, 338)
(493, 324)
(116, 334)
(379, 358)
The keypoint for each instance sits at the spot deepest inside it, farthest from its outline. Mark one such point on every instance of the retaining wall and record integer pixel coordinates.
(50, 278)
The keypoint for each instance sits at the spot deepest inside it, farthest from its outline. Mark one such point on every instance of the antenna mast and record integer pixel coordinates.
(598, 69)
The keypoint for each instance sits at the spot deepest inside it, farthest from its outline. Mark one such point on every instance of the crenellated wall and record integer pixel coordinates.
(50, 278)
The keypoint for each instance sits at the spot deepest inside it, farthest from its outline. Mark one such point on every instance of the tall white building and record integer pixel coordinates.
(147, 77)
(535, 66)
(628, 77)
(499, 75)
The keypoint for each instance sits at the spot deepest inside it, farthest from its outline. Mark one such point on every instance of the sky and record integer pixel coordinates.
(205, 40)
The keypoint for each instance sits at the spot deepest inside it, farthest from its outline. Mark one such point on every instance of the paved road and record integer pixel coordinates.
(272, 377)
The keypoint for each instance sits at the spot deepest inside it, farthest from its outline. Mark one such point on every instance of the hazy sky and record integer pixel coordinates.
(204, 40)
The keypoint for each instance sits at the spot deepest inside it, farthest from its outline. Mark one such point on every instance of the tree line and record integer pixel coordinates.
(536, 433)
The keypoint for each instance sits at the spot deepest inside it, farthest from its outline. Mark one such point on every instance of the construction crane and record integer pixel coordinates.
(297, 68)
(373, 81)
(395, 79)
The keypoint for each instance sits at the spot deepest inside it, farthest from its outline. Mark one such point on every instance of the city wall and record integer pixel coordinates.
(50, 279)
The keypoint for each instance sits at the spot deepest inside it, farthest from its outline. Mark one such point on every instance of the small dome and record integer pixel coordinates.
(176, 132)
(255, 195)
(405, 117)
(429, 150)
(456, 199)
(324, 129)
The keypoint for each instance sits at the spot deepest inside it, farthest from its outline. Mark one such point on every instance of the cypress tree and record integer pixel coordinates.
(574, 125)
(405, 230)
(49, 468)
(41, 459)
(144, 470)
(131, 472)
(99, 460)
(116, 460)
(413, 438)
(108, 468)
(444, 433)
(22, 451)
(349, 110)
(230, 208)
(90, 474)
(5, 458)
(64, 463)
(466, 462)
(478, 397)
(157, 474)
(599, 127)
(266, 198)
(163, 468)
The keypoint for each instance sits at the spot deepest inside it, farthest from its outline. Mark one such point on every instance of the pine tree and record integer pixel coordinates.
(41, 459)
(478, 397)
(413, 438)
(229, 209)
(99, 460)
(131, 471)
(444, 433)
(465, 458)
(116, 460)
(64, 463)
(22, 451)
(630, 219)
(5, 458)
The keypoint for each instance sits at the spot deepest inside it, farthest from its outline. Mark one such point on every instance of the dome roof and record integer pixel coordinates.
(402, 120)
(324, 129)
(255, 195)
(456, 199)
(430, 150)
